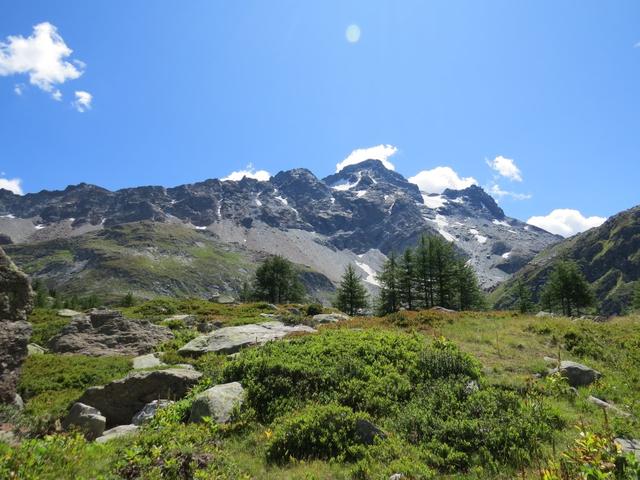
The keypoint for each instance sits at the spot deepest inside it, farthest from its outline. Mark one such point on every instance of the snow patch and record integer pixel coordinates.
(371, 273)
(502, 223)
(282, 200)
(433, 201)
(258, 202)
(506, 255)
(200, 228)
(40, 227)
(10, 215)
(361, 193)
(448, 237)
(479, 238)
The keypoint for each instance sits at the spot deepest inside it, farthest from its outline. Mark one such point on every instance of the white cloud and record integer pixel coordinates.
(566, 222)
(352, 33)
(506, 167)
(41, 56)
(18, 88)
(249, 172)
(441, 178)
(496, 191)
(379, 152)
(13, 185)
(82, 103)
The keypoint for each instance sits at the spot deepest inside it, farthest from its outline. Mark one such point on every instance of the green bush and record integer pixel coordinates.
(50, 383)
(314, 309)
(46, 324)
(371, 371)
(461, 428)
(317, 432)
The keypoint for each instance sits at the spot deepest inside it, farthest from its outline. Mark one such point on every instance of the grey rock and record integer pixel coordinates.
(120, 400)
(396, 476)
(149, 411)
(232, 339)
(629, 446)
(16, 302)
(9, 437)
(18, 402)
(330, 318)
(545, 314)
(150, 360)
(471, 387)
(107, 332)
(367, 432)
(117, 432)
(87, 419)
(222, 299)
(577, 375)
(608, 406)
(35, 349)
(442, 309)
(66, 312)
(217, 403)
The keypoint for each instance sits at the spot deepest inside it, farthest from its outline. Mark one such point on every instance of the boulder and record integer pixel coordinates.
(107, 332)
(65, 312)
(222, 299)
(16, 302)
(149, 411)
(438, 308)
(150, 360)
(545, 314)
(577, 375)
(330, 318)
(120, 400)
(217, 403)
(232, 339)
(87, 419)
(367, 432)
(117, 432)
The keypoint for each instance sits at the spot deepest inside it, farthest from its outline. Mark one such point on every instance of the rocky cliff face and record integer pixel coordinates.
(357, 215)
(16, 301)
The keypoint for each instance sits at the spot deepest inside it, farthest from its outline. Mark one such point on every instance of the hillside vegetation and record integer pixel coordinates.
(446, 395)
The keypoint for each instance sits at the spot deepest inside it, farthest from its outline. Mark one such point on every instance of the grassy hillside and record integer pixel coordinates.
(147, 259)
(609, 256)
(407, 373)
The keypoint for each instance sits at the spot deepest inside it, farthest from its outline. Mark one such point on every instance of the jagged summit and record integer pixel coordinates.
(357, 215)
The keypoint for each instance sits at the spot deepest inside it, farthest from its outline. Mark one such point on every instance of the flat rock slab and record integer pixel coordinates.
(117, 432)
(330, 318)
(65, 312)
(120, 400)
(232, 339)
(629, 446)
(105, 332)
(150, 360)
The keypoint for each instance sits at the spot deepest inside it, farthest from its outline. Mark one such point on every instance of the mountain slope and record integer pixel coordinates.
(609, 256)
(357, 215)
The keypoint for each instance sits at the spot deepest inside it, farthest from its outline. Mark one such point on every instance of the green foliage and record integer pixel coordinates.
(314, 309)
(45, 324)
(317, 431)
(351, 294)
(50, 383)
(460, 427)
(277, 281)
(389, 300)
(567, 290)
(635, 302)
(128, 300)
(392, 456)
(523, 297)
(594, 457)
(370, 371)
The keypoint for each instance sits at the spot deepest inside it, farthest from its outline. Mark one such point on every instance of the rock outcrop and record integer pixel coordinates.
(121, 400)
(16, 301)
(232, 339)
(107, 332)
(577, 375)
(87, 419)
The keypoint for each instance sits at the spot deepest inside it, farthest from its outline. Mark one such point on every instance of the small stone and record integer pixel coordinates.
(149, 360)
(330, 318)
(545, 314)
(608, 406)
(149, 411)
(396, 476)
(35, 349)
(577, 375)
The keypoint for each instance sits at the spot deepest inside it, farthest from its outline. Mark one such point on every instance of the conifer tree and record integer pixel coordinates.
(389, 279)
(277, 281)
(523, 297)
(351, 295)
(407, 279)
(467, 291)
(635, 301)
(567, 290)
(424, 273)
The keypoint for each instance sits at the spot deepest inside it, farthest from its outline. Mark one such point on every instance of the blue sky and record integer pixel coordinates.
(183, 91)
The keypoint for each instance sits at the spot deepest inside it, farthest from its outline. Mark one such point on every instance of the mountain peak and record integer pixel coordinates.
(476, 196)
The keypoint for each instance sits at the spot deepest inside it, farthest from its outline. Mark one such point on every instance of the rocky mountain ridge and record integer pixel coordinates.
(358, 215)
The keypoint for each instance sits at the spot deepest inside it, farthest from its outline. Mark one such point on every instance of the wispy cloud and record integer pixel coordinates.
(379, 152)
(506, 167)
(42, 56)
(82, 103)
(438, 179)
(496, 191)
(566, 222)
(12, 184)
(249, 172)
